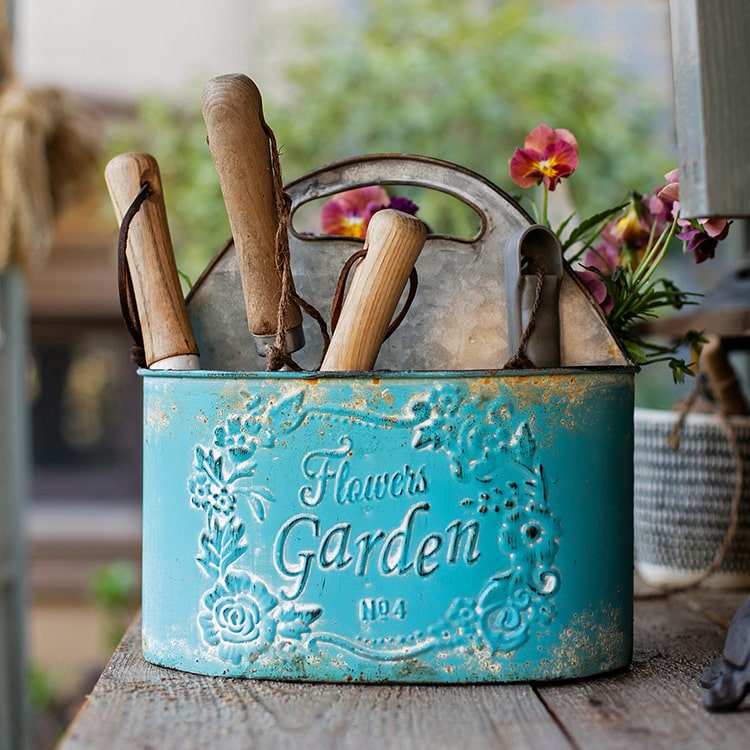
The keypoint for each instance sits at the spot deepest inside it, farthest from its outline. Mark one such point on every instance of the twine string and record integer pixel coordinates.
(50, 145)
(277, 357)
(520, 360)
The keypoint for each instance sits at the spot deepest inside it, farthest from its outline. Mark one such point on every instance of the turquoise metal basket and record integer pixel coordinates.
(436, 524)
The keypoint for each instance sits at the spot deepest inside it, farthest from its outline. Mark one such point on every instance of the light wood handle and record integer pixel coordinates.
(241, 150)
(393, 242)
(722, 379)
(168, 338)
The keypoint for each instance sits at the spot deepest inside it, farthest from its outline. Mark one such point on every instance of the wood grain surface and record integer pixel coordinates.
(156, 283)
(394, 241)
(241, 150)
(655, 703)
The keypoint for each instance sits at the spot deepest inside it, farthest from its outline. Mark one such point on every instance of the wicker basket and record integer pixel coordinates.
(683, 499)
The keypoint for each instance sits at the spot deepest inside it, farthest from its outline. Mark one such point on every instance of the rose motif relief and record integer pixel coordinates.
(241, 617)
(236, 616)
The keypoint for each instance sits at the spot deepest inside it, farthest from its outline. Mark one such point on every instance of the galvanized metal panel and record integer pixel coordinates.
(458, 320)
(711, 60)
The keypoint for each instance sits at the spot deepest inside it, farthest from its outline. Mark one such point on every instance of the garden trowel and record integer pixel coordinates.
(393, 243)
(238, 139)
(168, 339)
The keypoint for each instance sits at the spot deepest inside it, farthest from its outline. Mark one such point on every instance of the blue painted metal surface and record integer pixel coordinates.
(426, 527)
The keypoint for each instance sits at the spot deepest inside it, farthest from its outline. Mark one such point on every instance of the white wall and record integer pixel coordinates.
(124, 48)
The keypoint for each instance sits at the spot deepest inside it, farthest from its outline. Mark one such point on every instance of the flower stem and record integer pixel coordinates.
(644, 271)
(649, 265)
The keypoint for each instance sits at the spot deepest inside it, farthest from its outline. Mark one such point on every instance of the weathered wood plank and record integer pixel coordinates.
(656, 703)
(718, 606)
(138, 705)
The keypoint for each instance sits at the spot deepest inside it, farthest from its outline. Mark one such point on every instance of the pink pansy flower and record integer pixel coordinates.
(659, 208)
(670, 192)
(699, 243)
(700, 235)
(604, 256)
(713, 227)
(547, 156)
(595, 284)
(348, 213)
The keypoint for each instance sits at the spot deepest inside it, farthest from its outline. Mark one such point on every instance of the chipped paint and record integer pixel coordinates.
(413, 527)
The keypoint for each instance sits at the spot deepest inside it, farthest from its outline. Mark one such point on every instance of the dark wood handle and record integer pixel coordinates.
(394, 241)
(168, 338)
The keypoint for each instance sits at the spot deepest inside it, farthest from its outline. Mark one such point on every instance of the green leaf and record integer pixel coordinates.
(635, 352)
(564, 224)
(679, 369)
(592, 225)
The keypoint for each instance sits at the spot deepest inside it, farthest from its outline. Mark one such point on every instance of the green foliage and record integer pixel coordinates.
(42, 688)
(587, 232)
(113, 585)
(198, 222)
(464, 82)
(114, 588)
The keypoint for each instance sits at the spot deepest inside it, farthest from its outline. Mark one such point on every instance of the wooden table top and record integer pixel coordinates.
(655, 703)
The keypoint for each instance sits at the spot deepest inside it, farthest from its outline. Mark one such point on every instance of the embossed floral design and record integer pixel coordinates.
(240, 615)
(237, 618)
(447, 422)
(208, 486)
(226, 470)
(459, 627)
(528, 533)
(507, 611)
(236, 438)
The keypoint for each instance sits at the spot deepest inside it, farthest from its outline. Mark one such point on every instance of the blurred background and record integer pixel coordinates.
(464, 82)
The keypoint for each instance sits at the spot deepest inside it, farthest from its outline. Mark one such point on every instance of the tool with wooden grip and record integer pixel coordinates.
(393, 243)
(722, 379)
(239, 143)
(168, 338)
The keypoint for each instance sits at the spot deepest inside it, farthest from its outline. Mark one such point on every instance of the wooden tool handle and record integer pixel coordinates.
(722, 379)
(393, 242)
(168, 338)
(241, 150)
